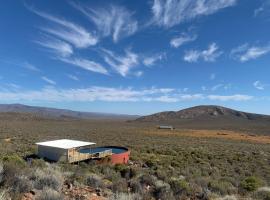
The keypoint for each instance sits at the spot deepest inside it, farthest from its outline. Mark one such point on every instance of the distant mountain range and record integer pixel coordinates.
(59, 113)
(210, 117)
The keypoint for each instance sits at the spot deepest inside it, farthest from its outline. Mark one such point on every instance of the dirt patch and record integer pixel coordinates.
(231, 135)
(84, 192)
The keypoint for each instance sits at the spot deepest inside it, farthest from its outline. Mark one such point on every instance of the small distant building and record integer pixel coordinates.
(71, 151)
(166, 127)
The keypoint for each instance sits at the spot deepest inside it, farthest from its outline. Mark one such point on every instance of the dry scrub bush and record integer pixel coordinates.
(4, 195)
(94, 181)
(21, 184)
(227, 197)
(163, 190)
(50, 194)
(1, 173)
(262, 193)
(120, 186)
(125, 196)
(49, 177)
(221, 187)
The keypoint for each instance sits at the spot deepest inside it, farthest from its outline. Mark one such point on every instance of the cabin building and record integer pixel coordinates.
(62, 150)
(72, 151)
(166, 127)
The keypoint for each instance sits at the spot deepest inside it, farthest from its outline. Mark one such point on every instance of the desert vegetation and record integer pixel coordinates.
(164, 165)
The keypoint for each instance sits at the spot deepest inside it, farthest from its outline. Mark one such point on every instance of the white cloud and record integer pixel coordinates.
(204, 88)
(112, 20)
(68, 31)
(212, 76)
(185, 89)
(56, 46)
(109, 94)
(44, 78)
(138, 73)
(121, 64)
(258, 85)
(182, 39)
(85, 64)
(13, 86)
(151, 60)
(73, 77)
(169, 13)
(216, 87)
(86, 95)
(31, 67)
(192, 56)
(187, 97)
(246, 52)
(208, 55)
(236, 97)
(263, 10)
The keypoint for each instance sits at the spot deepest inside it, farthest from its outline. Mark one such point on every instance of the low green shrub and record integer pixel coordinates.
(14, 159)
(179, 185)
(251, 183)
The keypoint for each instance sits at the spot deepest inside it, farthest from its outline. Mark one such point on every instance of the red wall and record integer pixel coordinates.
(121, 158)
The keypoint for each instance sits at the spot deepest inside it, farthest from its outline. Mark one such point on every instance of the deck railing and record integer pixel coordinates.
(76, 156)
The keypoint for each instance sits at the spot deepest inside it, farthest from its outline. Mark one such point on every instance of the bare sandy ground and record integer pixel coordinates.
(219, 134)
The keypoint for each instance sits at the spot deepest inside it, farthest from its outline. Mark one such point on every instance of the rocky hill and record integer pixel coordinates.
(210, 117)
(201, 112)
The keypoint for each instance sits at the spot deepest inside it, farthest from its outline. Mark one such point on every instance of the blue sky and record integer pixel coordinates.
(136, 57)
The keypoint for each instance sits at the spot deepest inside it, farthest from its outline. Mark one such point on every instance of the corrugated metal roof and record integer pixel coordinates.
(65, 143)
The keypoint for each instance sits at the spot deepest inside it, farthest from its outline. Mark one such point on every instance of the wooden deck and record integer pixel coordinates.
(75, 156)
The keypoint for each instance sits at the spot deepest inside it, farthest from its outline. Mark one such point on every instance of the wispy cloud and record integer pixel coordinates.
(245, 52)
(56, 46)
(259, 85)
(44, 78)
(138, 73)
(121, 64)
(212, 76)
(236, 97)
(216, 87)
(73, 77)
(168, 13)
(110, 94)
(221, 86)
(13, 86)
(263, 10)
(182, 39)
(208, 55)
(85, 64)
(68, 31)
(112, 20)
(31, 67)
(152, 60)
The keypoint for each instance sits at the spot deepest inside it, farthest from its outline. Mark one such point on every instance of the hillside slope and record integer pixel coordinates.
(59, 113)
(211, 117)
